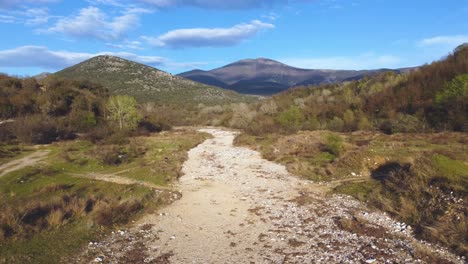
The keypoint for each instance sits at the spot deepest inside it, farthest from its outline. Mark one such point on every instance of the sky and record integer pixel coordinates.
(181, 35)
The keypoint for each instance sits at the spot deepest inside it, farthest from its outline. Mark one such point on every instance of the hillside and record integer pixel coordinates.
(395, 141)
(145, 83)
(266, 77)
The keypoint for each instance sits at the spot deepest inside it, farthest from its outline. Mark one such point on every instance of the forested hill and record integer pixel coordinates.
(431, 98)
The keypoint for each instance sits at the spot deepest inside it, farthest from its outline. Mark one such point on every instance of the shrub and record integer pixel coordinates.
(115, 155)
(151, 125)
(6, 132)
(38, 129)
(334, 145)
(82, 121)
(291, 119)
(242, 116)
(386, 127)
(364, 124)
(109, 213)
(336, 124)
(349, 120)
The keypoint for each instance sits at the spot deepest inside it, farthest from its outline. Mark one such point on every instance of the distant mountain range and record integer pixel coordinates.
(145, 83)
(266, 77)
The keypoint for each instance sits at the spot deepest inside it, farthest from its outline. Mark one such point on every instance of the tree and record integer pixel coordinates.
(349, 120)
(123, 110)
(291, 119)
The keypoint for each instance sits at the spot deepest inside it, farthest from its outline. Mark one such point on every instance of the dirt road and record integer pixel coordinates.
(26, 161)
(239, 208)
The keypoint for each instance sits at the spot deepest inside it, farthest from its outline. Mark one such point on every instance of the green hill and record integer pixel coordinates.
(146, 83)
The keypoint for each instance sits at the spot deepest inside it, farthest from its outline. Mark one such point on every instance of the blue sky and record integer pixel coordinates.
(180, 35)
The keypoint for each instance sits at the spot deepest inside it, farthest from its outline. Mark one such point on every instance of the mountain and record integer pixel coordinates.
(266, 77)
(41, 76)
(146, 83)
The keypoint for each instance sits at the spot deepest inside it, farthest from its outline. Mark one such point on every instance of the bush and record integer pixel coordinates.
(115, 155)
(407, 124)
(291, 119)
(6, 132)
(151, 125)
(38, 129)
(336, 124)
(105, 134)
(82, 121)
(386, 127)
(109, 213)
(334, 145)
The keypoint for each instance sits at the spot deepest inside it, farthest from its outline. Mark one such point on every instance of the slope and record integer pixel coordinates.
(266, 77)
(145, 83)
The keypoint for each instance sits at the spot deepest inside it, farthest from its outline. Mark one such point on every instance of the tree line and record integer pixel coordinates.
(62, 109)
(430, 98)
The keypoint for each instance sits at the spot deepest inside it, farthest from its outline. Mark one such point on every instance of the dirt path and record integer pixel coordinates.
(28, 160)
(239, 208)
(114, 178)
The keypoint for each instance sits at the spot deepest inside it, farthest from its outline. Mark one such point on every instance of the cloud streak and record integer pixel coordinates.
(11, 3)
(215, 4)
(360, 62)
(42, 57)
(92, 23)
(453, 40)
(209, 37)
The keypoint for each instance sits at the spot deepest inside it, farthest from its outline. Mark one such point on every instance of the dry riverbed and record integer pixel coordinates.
(236, 207)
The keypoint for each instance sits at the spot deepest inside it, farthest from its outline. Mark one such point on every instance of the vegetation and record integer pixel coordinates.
(123, 110)
(430, 98)
(52, 210)
(106, 166)
(421, 179)
(145, 83)
(390, 145)
(395, 141)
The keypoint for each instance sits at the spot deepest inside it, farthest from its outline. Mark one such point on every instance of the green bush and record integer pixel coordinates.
(334, 145)
(336, 124)
(291, 119)
(407, 124)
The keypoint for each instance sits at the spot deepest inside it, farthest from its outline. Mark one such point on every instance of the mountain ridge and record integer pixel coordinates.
(263, 76)
(145, 83)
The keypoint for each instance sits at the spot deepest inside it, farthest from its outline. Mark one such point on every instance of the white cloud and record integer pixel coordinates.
(214, 4)
(7, 19)
(26, 16)
(12, 3)
(134, 45)
(43, 58)
(105, 2)
(209, 37)
(454, 40)
(271, 16)
(360, 62)
(91, 22)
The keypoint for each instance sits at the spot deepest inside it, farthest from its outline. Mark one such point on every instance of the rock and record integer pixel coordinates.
(372, 260)
(99, 259)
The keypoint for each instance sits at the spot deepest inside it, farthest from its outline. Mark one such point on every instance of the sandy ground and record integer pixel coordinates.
(239, 208)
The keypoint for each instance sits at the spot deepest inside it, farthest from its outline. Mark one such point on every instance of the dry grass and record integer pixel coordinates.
(421, 179)
(47, 213)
